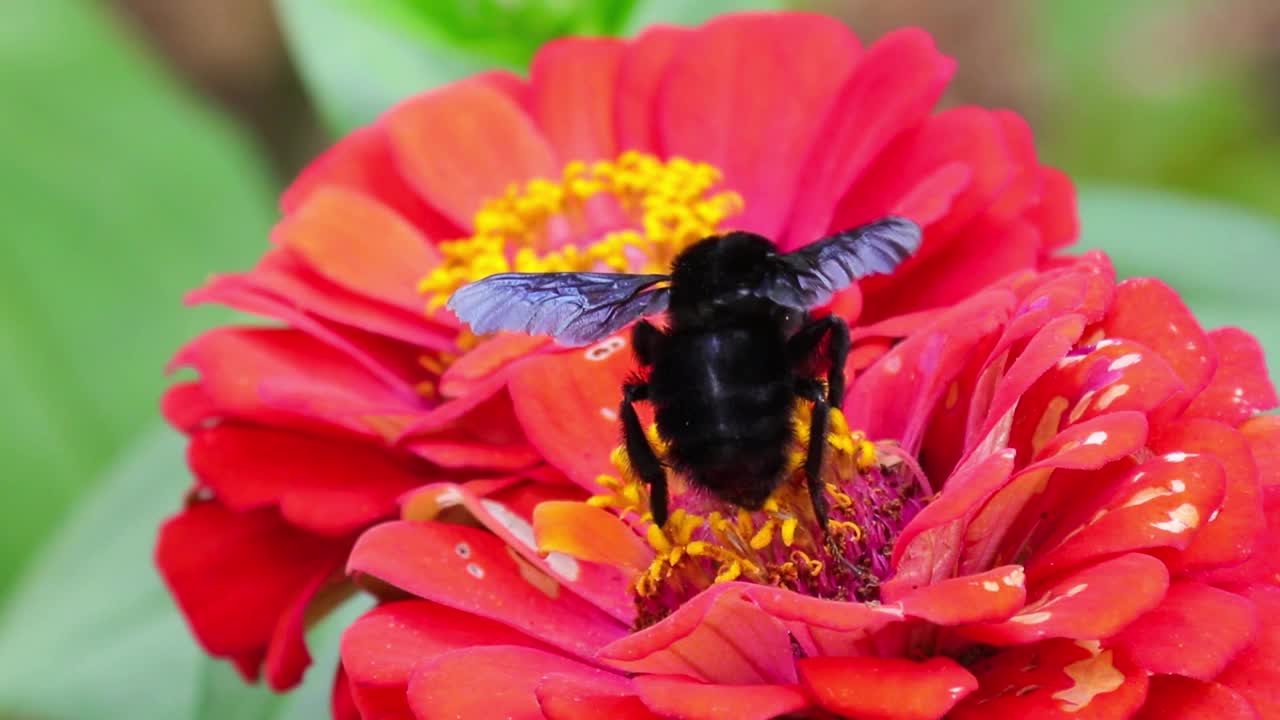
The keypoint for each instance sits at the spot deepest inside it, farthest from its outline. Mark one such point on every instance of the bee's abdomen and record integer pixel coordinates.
(723, 402)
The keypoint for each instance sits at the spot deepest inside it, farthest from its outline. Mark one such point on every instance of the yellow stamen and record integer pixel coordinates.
(534, 228)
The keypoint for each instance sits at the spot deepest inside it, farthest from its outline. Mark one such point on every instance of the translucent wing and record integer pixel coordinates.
(808, 277)
(575, 308)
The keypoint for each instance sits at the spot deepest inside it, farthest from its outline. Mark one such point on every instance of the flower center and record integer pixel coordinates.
(634, 214)
(873, 490)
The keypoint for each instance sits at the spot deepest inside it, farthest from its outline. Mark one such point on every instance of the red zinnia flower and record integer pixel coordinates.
(613, 154)
(1068, 510)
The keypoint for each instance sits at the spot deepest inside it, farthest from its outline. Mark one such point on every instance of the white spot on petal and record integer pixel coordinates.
(893, 364)
(1177, 486)
(1178, 456)
(1033, 618)
(1124, 361)
(1109, 395)
(1181, 519)
(566, 566)
(463, 550)
(516, 525)
(990, 586)
(604, 349)
(1096, 438)
(609, 414)
(1092, 676)
(475, 571)
(1015, 578)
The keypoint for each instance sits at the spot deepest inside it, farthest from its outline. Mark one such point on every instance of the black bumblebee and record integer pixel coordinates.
(725, 376)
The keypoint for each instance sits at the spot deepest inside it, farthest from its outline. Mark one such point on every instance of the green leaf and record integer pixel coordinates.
(1222, 260)
(92, 632)
(120, 193)
(682, 12)
(357, 62)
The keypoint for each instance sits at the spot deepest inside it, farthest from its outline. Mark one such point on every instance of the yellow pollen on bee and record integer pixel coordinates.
(532, 227)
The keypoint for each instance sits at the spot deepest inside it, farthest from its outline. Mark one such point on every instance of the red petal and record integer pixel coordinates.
(360, 245)
(1255, 673)
(684, 699)
(363, 162)
(236, 575)
(720, 636)
(490, 144)
(573, 83)
(1240, 387)
(284, 377)
(738, 97)
(282, 278)
(1228, 537)
(342, 706)
(508, 513)
(1195, 631)
(486, 683)
(1093, 603)
(474, 368)
(1055, 679)
(928, 548)
(1163, 503)
(384, 646)
(186, 405)
(473, 571)
(823, 627)
(573, 697)
(892, 88)
(1263, 435)
(640, 78)
(1178, 698)
(567, 403)
(874, 688)
(1150, 312)
(1056, 215)
(1263, 565)
(589, 533)
(992, 596)
(326, 486)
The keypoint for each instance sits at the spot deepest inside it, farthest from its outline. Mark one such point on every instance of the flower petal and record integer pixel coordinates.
(1228, 536)
(567, 403)
(992, 596)
(326, 486)
(1195, 631)
(385, 645)
(889, 688)
(574, 81)
(1179, 698)
(487, 682)
(491, 143)
(360, 245)
(680, 698)
(1095, 602)
(1255, 673)
(738, 97)
(1055, 679)
(474, 571)
(640, 77)
(1263, 435)
(1163, 503)
(236, 575)
(575, 697)
(894, 85)
(1152, 313)
(1240, 387)
(363, 162)
(589, 533)
(720, 636)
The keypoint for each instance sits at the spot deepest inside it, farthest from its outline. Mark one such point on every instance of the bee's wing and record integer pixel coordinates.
(575, 308)
(809, 276)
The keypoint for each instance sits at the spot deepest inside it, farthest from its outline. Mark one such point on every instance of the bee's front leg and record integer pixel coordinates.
(643, 460)
(811, 390)
(804, 343)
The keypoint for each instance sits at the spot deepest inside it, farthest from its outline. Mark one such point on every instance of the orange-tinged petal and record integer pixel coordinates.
(1196, 631)
(359, 244)
(574, 81)
(680, 698)
(465, 143)
(876, 688)
(589, 533)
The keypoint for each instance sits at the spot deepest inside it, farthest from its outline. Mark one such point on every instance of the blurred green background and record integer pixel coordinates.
(142, 143)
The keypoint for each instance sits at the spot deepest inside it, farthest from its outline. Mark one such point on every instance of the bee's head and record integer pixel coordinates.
(720, 267)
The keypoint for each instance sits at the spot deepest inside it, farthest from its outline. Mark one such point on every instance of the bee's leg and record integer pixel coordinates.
(811, 390)
(645, 338)
(643, 460)
(803, 344)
